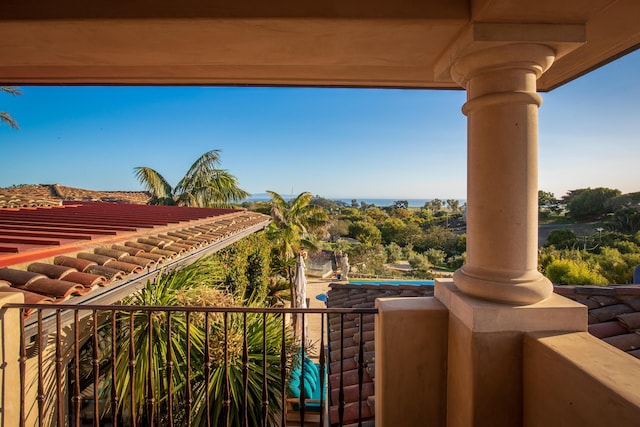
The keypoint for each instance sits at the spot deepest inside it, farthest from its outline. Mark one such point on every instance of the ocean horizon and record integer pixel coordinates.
(382, 202)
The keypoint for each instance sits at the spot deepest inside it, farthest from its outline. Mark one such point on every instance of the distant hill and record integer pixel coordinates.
(54, 194)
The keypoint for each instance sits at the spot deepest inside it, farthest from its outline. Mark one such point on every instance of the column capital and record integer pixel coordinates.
(534, 58)
(486, 38)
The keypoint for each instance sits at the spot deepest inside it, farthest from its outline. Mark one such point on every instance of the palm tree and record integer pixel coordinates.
(204, 185)
(292, 227)
(294, 222)
(4, 116)
(189, 383)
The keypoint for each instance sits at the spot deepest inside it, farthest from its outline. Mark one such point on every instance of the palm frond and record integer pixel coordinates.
(279, 207)
(4, 116)
(11, 90)
(200, 171)
(8, 120)
(310, 243)
(227, 186)
(204, 185)
(300, 202)
(153, 182)
(315, 216)
(219, 191)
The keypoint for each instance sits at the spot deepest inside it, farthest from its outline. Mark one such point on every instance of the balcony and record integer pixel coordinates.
(495, 349)
(62, 364)
(75, 365)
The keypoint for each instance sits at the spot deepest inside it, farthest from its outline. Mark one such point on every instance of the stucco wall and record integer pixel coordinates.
(577, 380)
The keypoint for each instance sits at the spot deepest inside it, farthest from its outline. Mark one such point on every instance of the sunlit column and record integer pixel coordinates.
(502, 181)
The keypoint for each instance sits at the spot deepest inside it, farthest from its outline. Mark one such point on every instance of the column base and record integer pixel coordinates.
(485, 355)
(521, 290)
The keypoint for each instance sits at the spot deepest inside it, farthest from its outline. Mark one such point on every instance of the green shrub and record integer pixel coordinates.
(573, 272)
(196, 285)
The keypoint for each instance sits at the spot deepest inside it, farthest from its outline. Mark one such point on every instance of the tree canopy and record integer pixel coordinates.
(589, 203)
(293, 223)
(204, 185)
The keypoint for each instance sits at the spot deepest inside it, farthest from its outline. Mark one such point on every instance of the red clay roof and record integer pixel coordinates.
(77, 249)
(28, 234)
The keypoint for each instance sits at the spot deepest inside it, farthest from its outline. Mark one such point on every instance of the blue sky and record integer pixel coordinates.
(339, 143)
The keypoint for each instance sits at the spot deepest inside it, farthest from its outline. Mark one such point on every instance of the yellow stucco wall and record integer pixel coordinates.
(578, 380)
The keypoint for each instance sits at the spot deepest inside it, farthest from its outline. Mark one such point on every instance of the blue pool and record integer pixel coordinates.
(391, 282)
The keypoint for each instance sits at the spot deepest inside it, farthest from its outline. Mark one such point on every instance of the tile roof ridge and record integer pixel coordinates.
(586, 290)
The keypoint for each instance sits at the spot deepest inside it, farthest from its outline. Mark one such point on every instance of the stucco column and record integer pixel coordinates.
(10, 336)
(502, 181)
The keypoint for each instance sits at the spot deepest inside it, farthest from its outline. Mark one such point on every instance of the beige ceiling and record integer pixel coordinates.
(381, 43)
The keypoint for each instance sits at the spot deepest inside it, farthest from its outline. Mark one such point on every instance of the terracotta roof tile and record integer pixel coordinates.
(604, 314)
(58, 289)
(105, 250)
(348, 352)
(158, 258)
(367, 423)
(351, 412)
(347, 365)
(50, 270)
(624, 342)
(631, 320)
(124, 266)
(97, 258)
(141, 261)
(349, 377)
(19, 277)
(614, 313)
(607, 329)
(77, 263)
(351, 392)
(110, 273)
(86, 279)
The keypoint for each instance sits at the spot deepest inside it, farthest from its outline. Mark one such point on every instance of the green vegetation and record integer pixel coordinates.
(589, 204)
(600, 244)
(295, 226)
(597, 246)
(246, 268)
(204, 185)
(374, 237)
(210, 282)
(258, 270)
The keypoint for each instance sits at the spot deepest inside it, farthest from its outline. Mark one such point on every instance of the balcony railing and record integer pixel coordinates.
(111, 365)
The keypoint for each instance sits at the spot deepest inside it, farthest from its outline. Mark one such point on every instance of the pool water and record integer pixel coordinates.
(391, 282)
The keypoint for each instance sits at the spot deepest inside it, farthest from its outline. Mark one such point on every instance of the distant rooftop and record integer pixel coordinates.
(54, 194)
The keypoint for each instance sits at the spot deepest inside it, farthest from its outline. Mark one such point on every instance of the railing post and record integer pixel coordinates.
(10, 336)
(411, 361)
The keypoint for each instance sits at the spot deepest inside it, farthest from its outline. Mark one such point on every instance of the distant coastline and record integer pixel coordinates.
(378, 202)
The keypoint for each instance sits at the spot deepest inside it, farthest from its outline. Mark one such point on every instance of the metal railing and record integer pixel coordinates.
(113, 365)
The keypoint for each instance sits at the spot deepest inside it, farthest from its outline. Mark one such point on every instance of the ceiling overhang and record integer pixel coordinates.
(377, 43)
